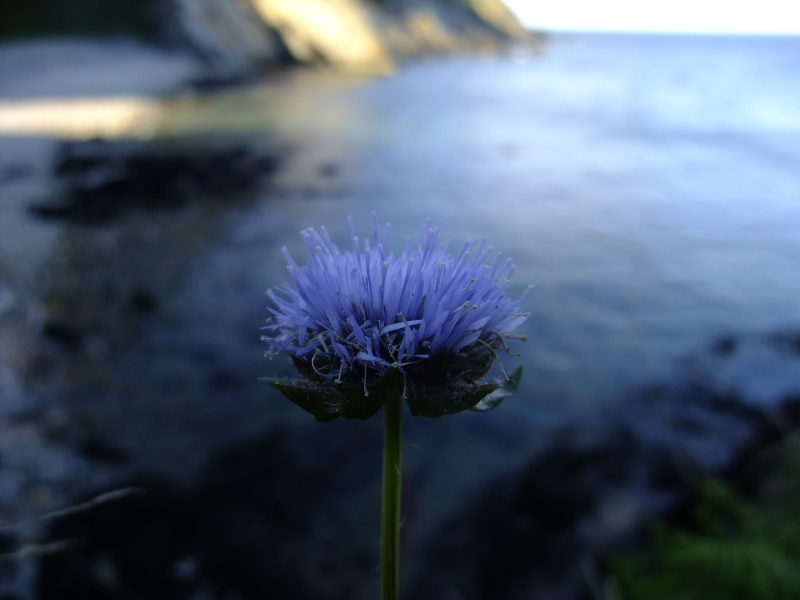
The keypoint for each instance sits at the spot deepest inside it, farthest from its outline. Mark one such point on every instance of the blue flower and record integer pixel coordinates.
(433, 321)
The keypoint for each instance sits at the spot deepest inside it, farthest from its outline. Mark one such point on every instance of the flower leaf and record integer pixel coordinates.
(326, 404)
(439, 401)
(494, 399)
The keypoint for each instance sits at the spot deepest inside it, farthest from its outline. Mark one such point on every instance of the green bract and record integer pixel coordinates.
(327, 404)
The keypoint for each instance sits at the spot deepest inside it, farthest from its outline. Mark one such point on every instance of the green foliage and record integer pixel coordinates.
(423, 400)
(508, 388)
(25, 18)
(739, 551)
(327, 404)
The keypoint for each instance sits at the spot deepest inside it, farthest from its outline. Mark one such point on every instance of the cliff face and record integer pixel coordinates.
(340, 33)
(234, 36)
(229, 34)
(362, 36)
(497, 15)
(371, 35)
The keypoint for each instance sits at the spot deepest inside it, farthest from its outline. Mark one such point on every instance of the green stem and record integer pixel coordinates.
(390, 512)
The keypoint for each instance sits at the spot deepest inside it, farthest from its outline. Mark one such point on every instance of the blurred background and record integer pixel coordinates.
(639, 163)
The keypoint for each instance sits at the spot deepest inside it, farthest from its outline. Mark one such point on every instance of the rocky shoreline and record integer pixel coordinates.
(531, 533)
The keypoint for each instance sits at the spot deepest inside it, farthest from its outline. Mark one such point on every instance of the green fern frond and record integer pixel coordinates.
(738, 552)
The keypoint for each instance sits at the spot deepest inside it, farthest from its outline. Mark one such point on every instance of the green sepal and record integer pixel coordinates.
(439, 401)
(508, 387)
(328, 403)
(325, 405)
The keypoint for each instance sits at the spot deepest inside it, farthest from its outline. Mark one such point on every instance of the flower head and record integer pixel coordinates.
(350, 320)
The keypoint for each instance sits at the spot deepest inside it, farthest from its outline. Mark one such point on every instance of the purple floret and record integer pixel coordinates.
(349, 316)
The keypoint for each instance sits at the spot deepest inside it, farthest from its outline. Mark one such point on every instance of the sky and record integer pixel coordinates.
(767, 17)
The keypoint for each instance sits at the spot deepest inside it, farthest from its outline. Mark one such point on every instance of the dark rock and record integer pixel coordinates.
(294, 513)
(8, 569)
(63, 333)
(532, 534)
(275, 526)
(725, 346)
(122, 548)
(104, 180)
(15, 172)
(789, 340)
(99, 450)
(214, 82)
(528, 535)
(264, 519)
(329, 169)
(143, 301)
(223, 380)
(790, 412)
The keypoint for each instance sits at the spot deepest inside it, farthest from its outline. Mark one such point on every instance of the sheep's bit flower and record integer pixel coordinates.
(361, 324)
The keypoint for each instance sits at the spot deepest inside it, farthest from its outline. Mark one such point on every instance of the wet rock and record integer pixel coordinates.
(533, 534)
(63, 333)
(122, 547)
(223, 380)
(764, 369)
(294, 512)
(98, 450)
(143, 301)
(788, 341)
(8, 300)
(303, 541)
(725, 346)
(105, 180)
(530, 534)
(263, 519)
(329, 169)
(14, 173)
